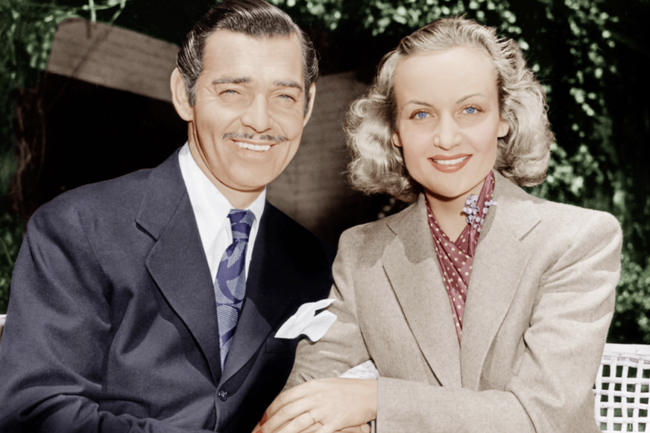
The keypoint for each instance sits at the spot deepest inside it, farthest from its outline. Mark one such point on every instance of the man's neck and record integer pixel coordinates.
(238, 199)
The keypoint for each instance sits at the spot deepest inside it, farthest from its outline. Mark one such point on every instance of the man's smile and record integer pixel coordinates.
(255, 147)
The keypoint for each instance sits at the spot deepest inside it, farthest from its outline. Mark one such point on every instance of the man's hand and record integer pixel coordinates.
(323, 406)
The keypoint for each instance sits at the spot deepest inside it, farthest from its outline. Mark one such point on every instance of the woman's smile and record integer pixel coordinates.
(448, 164)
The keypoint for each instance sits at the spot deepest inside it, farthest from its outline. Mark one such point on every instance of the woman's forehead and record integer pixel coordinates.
(455, 69)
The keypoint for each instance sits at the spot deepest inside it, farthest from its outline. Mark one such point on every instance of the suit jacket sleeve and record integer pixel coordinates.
(550, 392)
(58, 333)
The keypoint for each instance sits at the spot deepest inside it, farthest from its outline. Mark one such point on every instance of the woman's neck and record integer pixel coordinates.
(449, 211)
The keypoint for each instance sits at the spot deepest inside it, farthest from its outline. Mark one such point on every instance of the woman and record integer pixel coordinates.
(456, 120)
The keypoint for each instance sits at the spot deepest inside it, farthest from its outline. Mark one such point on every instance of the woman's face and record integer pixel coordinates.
(448, 120)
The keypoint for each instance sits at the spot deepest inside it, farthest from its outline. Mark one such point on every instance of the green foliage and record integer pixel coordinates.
(631, 323)
(26, 30)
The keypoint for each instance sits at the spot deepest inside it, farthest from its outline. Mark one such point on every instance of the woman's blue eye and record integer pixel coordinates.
(421, 115)
(470, 110)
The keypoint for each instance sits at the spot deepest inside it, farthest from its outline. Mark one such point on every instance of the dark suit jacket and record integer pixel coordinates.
(112, 321)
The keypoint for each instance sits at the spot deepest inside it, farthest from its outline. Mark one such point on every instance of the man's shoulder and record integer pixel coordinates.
(296, 239)
(115, 196)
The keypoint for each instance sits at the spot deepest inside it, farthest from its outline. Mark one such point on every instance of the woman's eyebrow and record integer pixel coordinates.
(469, 96)
(416, 102)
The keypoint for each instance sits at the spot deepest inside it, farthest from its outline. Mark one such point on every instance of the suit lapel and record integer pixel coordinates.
(177, 262)
(498, 266)
(271, 288)
(412, 268)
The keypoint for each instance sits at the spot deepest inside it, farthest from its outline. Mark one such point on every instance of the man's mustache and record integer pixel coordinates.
(263, 137)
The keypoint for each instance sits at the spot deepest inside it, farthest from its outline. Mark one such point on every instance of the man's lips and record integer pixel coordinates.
(253, 146)
(451, 163)
(249, 141)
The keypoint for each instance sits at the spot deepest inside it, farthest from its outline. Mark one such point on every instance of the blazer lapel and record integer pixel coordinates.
(498, 266)
(177, 262)
(412, 268)
(271, 288)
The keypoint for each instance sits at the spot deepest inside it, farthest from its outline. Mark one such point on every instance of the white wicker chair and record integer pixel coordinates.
(2, 324)
(622, 389)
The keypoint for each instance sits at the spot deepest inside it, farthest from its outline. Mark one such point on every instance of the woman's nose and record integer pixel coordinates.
(447, 133)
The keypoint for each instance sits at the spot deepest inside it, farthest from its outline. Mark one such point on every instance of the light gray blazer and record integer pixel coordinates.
(539, 303)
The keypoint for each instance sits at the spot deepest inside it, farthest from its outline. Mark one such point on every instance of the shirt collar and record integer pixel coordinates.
(210, 206)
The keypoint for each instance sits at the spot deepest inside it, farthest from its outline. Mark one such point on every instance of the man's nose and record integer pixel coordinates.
(257, 116)
(447, 133)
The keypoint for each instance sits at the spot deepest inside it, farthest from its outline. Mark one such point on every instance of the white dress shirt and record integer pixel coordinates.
(211, 210)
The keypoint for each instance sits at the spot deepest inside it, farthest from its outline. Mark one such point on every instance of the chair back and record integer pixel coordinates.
(2, 324)
(622, 388)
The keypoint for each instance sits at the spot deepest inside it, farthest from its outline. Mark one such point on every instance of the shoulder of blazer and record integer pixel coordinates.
(365, 244)
(554, 217)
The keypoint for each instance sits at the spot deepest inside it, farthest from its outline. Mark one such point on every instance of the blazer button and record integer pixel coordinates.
(223, 394)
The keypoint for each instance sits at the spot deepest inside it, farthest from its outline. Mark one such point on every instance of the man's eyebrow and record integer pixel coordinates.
(469, 96)
(232, 80)
(288, 83)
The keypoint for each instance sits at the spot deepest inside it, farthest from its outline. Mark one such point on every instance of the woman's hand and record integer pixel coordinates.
(323, 406)
(365, 428)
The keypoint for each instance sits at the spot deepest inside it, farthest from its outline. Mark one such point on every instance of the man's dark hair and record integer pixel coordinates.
(255, 18)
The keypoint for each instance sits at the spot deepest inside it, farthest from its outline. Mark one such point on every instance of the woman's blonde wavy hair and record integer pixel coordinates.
(522, 155)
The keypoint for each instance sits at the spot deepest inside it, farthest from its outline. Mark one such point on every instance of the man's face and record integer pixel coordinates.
(247, 122)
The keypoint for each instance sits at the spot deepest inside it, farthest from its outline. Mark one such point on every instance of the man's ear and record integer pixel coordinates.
(179, 96)
(310, 107)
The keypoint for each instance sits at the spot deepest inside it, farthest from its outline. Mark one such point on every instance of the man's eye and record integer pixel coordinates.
(287, 97)
(229, 92)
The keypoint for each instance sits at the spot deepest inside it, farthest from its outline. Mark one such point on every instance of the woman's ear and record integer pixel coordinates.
(397, 142)
(504, 128)
(179, 96)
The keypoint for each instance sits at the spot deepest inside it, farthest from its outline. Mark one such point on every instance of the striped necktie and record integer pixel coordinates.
(230, 283)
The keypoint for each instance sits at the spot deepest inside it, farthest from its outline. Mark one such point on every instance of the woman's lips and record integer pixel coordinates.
(449, 164)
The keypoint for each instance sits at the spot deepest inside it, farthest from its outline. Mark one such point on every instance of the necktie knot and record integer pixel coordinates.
(241, 222)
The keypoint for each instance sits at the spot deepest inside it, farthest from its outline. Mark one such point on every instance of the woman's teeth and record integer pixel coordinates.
(450, 161)
(255, 147)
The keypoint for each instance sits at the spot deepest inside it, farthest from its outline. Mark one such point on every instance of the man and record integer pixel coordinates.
(149, 303)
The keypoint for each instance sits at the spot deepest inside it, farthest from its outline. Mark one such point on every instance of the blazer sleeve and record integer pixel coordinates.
(342, 347)
(58, 333)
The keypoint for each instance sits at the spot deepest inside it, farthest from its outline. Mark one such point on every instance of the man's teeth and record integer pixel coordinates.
(255, 147)
(451, 161)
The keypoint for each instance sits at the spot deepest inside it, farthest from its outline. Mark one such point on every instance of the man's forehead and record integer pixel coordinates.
(235, 56)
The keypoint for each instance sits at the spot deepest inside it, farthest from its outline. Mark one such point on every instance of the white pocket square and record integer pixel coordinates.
(306, 322)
